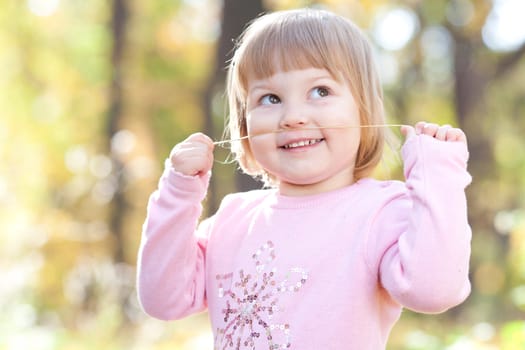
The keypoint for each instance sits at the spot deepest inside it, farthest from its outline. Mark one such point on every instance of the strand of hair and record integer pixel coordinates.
(222, 142)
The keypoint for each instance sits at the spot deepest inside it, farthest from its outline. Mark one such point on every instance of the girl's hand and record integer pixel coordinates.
(440, 132)
(193, 156)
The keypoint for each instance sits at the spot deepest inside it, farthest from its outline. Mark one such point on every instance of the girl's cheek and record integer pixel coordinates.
(260, 142)
(261, 122)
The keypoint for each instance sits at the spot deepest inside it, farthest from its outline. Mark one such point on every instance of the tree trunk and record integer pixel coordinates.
(472, 77)
(235, 15)
(119, 207)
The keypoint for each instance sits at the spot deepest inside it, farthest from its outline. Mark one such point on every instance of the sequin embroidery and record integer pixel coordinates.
(252, 301)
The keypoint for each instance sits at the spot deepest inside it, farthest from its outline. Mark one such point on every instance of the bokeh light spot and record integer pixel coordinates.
(395, 28)
(43, 8)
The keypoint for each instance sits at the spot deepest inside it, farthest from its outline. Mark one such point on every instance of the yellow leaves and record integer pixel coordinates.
(513, 336)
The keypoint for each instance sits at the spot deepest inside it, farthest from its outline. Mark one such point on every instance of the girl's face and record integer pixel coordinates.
(304, 160)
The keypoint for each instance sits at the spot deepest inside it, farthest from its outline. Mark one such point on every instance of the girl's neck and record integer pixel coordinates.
(339, 181)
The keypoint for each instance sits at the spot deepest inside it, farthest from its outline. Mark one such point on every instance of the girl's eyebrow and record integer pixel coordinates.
(262, 84)
(320, 76)
(258, 87)
(265, 84)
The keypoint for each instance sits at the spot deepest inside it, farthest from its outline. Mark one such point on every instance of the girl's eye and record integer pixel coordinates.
(270, 99)
(320, 92)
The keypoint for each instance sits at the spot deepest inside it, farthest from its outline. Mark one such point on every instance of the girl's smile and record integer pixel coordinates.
(303, 159)
(300, 144)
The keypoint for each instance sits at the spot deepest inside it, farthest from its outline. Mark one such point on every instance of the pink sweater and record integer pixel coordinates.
(328, 271)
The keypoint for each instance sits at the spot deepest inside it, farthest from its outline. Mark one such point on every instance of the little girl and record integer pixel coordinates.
(326, 257)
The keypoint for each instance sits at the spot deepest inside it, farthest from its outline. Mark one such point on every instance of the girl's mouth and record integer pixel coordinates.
(302, 143)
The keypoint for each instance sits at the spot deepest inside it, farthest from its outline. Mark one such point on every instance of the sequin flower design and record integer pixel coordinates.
(251, 302)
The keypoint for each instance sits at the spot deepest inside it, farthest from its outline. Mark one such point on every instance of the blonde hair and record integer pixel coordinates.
(299, 39)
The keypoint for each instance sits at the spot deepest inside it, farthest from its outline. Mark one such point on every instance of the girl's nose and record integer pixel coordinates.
(293, 118)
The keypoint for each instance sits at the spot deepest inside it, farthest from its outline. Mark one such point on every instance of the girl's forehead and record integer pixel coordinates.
(278, 75)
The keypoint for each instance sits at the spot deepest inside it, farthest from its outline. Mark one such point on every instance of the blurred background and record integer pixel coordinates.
(93, 95)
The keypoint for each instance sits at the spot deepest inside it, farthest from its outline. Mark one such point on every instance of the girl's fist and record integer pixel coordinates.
(440, 132)
(193, 156)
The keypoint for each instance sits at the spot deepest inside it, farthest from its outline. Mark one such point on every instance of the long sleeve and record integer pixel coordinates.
(171, 260)
(425, 232)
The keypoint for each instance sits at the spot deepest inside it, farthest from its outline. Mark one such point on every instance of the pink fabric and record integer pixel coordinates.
(328, 271)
